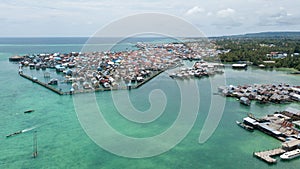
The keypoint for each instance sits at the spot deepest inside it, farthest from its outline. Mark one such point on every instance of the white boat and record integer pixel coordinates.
(245, 101)
(53, 82)
(290, 155)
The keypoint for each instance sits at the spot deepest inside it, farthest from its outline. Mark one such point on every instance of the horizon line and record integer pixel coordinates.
(212, 36)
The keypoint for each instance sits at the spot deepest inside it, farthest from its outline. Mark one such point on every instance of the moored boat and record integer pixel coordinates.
(244, 126)
(16, 58)
(290, 154)
(245, 101)
(239, 66)
(53, 82)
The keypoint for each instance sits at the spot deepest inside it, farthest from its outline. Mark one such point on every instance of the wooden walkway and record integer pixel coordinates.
(89, 90)
(42, 84)
(267, 155)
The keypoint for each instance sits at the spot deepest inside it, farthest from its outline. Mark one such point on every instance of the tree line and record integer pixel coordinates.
(255, 50)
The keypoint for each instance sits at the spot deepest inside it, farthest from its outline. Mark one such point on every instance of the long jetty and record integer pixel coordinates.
(267, 155)
(148, 79)
(42, 84)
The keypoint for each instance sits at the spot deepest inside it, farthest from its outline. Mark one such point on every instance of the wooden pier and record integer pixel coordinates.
(42, 84)
(267, 155)
(148, 79)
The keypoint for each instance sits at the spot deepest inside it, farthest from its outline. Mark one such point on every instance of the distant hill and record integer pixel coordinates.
(292, 35)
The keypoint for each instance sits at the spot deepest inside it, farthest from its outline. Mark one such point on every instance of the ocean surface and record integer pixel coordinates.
(62, 143)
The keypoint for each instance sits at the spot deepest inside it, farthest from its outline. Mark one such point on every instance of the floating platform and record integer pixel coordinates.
(267, 155)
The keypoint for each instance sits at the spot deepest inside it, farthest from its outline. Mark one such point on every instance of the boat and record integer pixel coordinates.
(239, 66)
(15, 133)
(28, 111)
(290, 154)
(16, 58)
(244, 126)
(245, 101)
(53, 82)
(172, 75)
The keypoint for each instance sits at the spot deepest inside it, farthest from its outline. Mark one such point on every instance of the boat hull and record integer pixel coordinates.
(244, 126)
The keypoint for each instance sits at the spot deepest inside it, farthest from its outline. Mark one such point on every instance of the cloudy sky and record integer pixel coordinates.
(85, 17)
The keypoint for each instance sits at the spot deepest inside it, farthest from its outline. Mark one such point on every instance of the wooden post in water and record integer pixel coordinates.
(35, 151)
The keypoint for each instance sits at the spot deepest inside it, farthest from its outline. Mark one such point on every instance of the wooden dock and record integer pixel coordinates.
(148, 79)
(267, 155)
(42, 84)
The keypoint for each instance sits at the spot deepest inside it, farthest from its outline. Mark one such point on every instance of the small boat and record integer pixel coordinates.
(245, 101)
(28, 111)
(15, 133)
(16, 58)
(239, 66)
(244, 126)
(53, 82)
(290, 154)
(172, 75)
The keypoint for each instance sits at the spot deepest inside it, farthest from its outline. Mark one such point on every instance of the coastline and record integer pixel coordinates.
(61, 136)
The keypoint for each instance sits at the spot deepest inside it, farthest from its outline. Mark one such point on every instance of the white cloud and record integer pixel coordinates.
(194, 10)
(18, 17)
(225, 13)
(226, 19)
(227, 24)
(278, 17)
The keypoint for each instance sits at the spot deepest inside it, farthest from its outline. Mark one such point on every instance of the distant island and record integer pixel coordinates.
(268, 35)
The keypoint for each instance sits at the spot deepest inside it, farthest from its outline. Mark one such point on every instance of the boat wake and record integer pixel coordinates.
(29, 129)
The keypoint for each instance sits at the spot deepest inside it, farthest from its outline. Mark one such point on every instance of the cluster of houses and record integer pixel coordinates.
(284, 125)
(276, 55)
(92, 70)
(199, 69)
(263, 93)
(279, 55)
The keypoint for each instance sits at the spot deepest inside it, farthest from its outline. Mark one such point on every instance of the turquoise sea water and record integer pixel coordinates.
(62, 143)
